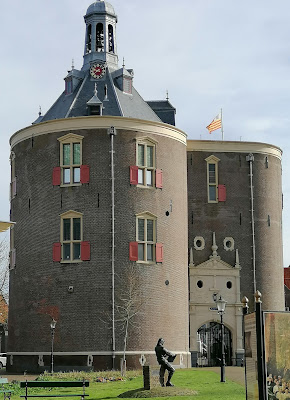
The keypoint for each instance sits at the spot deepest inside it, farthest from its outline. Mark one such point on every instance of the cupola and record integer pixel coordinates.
(100, 40)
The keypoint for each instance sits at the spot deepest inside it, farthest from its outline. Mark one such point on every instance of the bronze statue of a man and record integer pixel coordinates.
(163, 358)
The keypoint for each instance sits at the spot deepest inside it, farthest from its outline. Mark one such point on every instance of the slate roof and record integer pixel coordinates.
(114, 90)
(164, 109)
(118, 103)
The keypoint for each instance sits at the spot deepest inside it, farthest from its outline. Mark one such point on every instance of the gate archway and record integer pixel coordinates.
(209, 340)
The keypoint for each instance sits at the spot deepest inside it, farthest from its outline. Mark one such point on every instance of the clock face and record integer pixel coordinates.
(97, 71)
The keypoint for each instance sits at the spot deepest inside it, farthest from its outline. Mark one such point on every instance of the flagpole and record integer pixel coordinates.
(222, 124)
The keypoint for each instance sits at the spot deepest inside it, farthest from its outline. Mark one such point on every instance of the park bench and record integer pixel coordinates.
(6, 392)
(56, 384)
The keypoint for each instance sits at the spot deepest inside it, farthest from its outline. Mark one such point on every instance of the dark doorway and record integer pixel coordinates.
(209, 339)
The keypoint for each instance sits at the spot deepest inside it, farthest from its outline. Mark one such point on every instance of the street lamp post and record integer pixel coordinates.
(221, 305)
(52, 328)
(245, 302)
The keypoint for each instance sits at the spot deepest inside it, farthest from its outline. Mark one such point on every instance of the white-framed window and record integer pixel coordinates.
(71, 234)
(146, 237)
(212, 178)
(70, 159)
(146, 151)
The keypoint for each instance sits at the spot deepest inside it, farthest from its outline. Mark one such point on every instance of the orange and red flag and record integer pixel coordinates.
(215, 124)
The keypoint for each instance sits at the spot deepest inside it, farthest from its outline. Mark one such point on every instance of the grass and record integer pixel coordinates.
(189, 384)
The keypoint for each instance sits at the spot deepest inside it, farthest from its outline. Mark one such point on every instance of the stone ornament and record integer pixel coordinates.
(229, 244)
(199, 243)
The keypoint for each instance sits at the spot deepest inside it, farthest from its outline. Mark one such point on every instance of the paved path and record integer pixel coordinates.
(17, 377)
(235, 374)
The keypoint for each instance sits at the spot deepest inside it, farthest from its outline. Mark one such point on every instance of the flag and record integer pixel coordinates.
(215, 124)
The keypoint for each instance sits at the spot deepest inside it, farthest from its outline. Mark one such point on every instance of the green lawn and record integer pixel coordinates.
(189, 384)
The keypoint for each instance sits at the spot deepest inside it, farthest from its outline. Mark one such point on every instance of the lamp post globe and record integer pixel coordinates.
(221, 305)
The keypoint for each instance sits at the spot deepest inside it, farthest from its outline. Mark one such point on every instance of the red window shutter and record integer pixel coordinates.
(222, 193)
(56, 173)
(85, 251)
(56, 252)
(159, 177)
(134, 175)
(85, 173)
(159, 252)
(133, 251)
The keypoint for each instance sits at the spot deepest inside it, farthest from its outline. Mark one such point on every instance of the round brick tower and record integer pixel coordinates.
(244, 210)
(99, 197)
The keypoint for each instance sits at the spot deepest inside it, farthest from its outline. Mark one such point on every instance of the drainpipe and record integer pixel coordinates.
(250, 158)
(112, 133)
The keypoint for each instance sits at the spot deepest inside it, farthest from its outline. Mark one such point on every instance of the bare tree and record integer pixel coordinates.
(128, 305)
(4, 266)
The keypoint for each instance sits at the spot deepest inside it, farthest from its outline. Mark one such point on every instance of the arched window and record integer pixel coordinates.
(70, 159)
(146, 249)
(111, 39)
(99, 37)
(146, 236)
(146, 162)
(71, 233)
(212, 178)
(89, 39)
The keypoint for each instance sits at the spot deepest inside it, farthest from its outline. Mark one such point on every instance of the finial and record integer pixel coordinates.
(106, 93)
(214, 247)
(167, 96)
(237, 264)
(96, 90)
(72, 64)
(245, 302)
(258, 296)
(39, 112)
(191, 262)
(123, 62)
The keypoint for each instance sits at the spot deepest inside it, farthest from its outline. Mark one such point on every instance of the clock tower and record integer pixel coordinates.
(100, 40)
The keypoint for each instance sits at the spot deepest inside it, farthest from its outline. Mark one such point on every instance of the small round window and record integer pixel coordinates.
(199, 243)
(199, 284)
(229, 244)
(229, 284)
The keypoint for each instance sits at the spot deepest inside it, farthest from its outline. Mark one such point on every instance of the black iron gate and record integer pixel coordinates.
(209, 338)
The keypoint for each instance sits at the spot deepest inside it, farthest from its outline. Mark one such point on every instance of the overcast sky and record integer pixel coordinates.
(208, 54)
